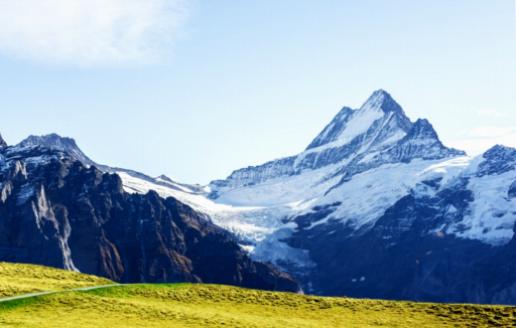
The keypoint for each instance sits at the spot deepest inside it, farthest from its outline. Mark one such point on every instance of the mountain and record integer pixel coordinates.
(56, 211)
(376, 206)
(54, 141)
(450, 238)
(355, 140)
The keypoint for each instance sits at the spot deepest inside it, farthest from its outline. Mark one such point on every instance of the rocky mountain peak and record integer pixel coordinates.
(52, 140)
(64, 214)
(382, 100)
(349, 123)
(377, 133)
(423, 129)
(497, 160)
(500, 152)
(57, 142)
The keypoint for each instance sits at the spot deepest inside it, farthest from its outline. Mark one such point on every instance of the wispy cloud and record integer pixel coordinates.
(89, 32)
(491, 113)
(479, 139)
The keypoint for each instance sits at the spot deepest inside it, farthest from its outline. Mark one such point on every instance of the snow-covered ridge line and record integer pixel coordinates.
(360, 165)
(379, 132)
(373, 181)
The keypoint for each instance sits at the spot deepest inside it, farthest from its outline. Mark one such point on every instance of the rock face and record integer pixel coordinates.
(55, 211)
(54, 141)
(497, 160)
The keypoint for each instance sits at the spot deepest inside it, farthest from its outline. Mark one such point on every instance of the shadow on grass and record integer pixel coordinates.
(130, 289)
(14, 304)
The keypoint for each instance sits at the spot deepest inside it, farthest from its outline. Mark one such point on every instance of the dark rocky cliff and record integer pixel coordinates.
(55, 211)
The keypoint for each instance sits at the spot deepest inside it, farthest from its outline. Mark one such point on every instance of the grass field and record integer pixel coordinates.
(16, 279)
(186, 305)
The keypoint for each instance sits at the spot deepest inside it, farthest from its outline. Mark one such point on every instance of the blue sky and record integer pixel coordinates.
(195, 89)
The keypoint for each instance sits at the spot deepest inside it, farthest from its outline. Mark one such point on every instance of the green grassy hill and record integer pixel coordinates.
(186, 305)
(16, 279)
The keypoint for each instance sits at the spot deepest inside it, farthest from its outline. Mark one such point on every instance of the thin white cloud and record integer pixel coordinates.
(89, 32)
(490, 132)
(491, 113)
(480, 139)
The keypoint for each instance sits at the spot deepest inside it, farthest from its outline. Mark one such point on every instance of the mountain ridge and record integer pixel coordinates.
(56, 211)
(372, 180)
(375, 129)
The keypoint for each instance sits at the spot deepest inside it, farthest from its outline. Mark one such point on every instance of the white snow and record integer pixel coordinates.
(283, 190)
(492, 214)
(174, 184)
(273, 249)
(258, 205)
(199, 202)
(448, 170)
(367, 195)
(248, 222)
(360, 122)
(260, 214)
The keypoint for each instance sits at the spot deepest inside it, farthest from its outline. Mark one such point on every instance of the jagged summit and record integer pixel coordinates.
(349, 123)
(57, 142)
(422, 128)
(356, 140)
(421, 141)
(57, 212)
(381, 99)
(49, 140)
(423, 133)
(497, 160)
(372, 181)
(501, 152)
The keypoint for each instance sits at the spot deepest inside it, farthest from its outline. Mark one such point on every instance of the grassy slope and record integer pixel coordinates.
(184, 305)
(17, 279)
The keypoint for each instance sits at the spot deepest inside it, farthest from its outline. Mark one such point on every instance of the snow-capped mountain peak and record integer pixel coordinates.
(356, 140)
(382, 100)
(422, 132)
(55, 141)
(497, 160)
(423, 129)
(51, 140)
(349, 124)
(500, 152)
(372, 181)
